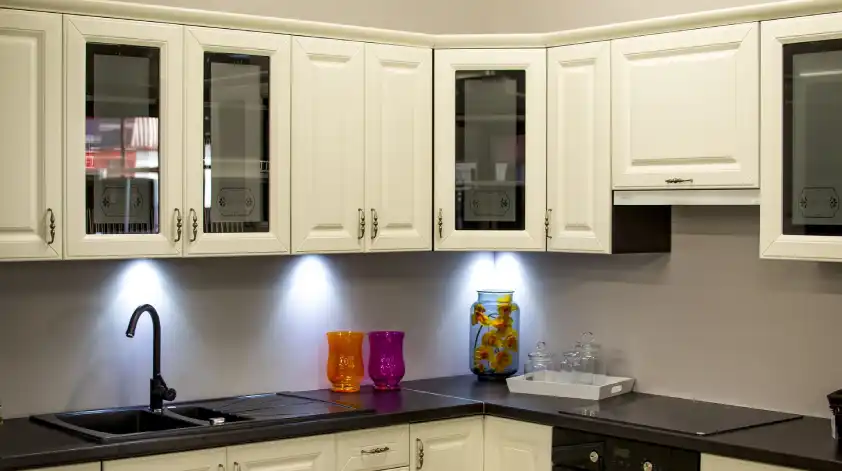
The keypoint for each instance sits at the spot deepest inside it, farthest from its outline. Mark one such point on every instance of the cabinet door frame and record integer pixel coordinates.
(344, 234)
(579, 196)
(199, 460)
(30, 241)
(321, 447)
(199, 40)
(424, 434)
(502, 435)
(774, 243)
(739, 170)
(395, 231)
(448, 61)
(78, 31)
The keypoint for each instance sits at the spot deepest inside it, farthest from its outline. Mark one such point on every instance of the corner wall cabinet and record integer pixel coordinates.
(237, 131)
(685, 109)
(801, 96)
(579, 199)
(31, 213)
(123, 138)
(490, 144)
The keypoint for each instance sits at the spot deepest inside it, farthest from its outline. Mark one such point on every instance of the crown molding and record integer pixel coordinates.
(187, 16)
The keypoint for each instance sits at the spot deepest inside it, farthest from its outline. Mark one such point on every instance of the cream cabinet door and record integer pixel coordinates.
(328, 145)
(579, 202)
(30, 131)
(237, 151)
(398, 147)
(76, 467)
(123, 135)
(718, 463)
(510, 444)
(490, 143)
(373, 449)
(685, 109)
(202, 460)
(298, 454)
(447, 445)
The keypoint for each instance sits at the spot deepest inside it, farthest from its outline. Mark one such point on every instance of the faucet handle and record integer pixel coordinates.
(169, 394)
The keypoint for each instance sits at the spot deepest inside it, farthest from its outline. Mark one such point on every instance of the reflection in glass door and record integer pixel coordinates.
(490, 154)
(236, 143)
(122, 162)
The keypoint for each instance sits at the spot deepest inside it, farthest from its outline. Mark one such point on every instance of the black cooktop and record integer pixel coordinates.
(680, 415)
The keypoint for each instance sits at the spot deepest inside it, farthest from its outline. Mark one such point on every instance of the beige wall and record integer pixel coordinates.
(462, 16)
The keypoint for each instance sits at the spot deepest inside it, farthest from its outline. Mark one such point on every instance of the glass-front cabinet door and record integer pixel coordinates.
(123, 138)
(490, 159)
(237, 132)
(801, 93)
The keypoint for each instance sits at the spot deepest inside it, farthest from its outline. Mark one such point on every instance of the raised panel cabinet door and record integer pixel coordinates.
(801, 99)
(30, 132)
(76, 467)
(237, 151)
(328, 145)
(719, 463)
(373, 449)
(490, 149)
(123, 138)
(511, 444)
(579, 192)
(399, 147)
(202, 460)
(298, 454)
(685, 111)
(447, 445)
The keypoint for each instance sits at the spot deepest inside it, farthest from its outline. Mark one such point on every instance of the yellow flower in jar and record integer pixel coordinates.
(501, 360)
(505, 299)
(479, 316)
(491, 339)
(483, 352)
(479, 368)
(510, 341)
(505, 310)
(502, 324)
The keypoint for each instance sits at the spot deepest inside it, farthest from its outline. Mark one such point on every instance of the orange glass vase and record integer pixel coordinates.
(345, 360)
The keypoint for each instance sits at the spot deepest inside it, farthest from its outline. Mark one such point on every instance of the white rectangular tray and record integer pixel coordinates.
(557, 383)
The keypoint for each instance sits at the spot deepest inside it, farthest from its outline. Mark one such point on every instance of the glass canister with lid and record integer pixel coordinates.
(539, 362)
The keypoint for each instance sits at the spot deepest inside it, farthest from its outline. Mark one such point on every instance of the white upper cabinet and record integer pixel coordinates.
(685, 109)
(514, 445)
(398, 147)
(298, 454)
(579, 202)
(328, 145)
(30, 131)
(203, 460)
(237, 127)
(801, 97)
(123, 135)
(490, 143)
(447, 445)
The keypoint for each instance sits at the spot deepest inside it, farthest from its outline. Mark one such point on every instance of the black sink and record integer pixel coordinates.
(204, 414)
(109, 426)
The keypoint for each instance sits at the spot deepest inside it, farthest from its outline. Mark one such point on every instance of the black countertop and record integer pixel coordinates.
(804, 443)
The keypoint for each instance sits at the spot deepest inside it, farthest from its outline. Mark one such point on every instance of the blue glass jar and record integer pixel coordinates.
(495, 324)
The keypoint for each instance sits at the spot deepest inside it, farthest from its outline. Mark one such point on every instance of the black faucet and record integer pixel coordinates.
(158, 390)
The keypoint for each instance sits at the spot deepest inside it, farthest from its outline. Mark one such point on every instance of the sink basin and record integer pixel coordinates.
(204, 414)
(120, 425)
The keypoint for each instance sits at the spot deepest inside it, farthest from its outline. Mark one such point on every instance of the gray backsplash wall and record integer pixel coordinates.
(709, 321)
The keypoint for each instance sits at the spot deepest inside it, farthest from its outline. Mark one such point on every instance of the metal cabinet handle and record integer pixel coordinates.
(679, 180)
(547, 223)
(236, 466)
(419, 450)
(361, 232)
(375, 451)
(195, 225)
(373, 223)
(221, 467)
(441, 224)
(52, 220)
(178, 225)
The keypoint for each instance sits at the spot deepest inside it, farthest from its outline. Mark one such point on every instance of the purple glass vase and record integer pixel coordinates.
(385, 362)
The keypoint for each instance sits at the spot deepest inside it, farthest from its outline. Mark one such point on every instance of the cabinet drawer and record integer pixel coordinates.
(374, 449)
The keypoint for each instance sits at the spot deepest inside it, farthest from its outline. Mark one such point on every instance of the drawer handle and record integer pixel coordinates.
(419, 453)
(679, 180)
(375, 451)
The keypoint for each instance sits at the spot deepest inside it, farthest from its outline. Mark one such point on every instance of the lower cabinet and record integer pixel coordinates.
(513, 445)
(75, 467)
(298, 454)
(374, 449)
(719, 463)
(447, 445)
(202, 460)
